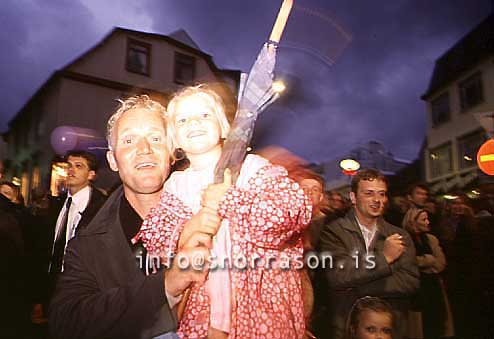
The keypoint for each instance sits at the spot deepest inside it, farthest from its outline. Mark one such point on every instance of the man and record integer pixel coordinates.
(417, 196)
(80, 205)
(369, 256)
(65, 217)
(103, 291)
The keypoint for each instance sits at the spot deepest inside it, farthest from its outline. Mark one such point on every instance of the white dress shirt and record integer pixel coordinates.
(80, 201)
(367, 233)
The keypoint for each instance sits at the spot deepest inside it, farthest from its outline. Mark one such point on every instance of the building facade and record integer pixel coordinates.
(83, 94)
(461, 89)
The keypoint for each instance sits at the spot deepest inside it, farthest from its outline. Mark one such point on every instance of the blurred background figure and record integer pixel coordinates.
(338, 205)
(430, 316)
(14, 308)
(459, 237)
(370, 318)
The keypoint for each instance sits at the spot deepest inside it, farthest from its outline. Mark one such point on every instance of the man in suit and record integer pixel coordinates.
(104, 291)
(81, 204)
(370, 257)
(67, 215)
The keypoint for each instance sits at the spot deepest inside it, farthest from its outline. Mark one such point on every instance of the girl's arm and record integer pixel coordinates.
(274, 206)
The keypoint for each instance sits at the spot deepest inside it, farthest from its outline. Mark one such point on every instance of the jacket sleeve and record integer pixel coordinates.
(439, 262)
(271, 211)
(404, 279)
(344, 267)
(82, 308)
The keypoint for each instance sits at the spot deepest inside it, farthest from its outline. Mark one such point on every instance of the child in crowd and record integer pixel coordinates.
(370, 318)
(263, 216)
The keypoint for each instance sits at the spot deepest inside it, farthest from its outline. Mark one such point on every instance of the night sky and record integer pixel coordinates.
(355, 69)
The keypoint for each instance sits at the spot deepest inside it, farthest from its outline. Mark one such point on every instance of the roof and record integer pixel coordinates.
(474, 47)
(184, 42)
(182, 36)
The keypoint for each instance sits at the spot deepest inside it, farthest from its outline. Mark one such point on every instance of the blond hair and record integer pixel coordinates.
(410, 219)
(204, 92)
(134, 102)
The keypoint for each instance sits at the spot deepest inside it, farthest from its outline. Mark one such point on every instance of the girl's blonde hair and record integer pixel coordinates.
(206, 93)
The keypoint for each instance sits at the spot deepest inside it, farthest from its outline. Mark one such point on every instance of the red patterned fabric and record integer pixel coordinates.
(266, 221)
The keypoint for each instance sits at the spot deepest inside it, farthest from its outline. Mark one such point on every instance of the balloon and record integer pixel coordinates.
(67, 138)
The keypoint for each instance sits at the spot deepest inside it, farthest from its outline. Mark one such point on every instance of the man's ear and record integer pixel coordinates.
(91, 175)
(110, 157)
(353, 198)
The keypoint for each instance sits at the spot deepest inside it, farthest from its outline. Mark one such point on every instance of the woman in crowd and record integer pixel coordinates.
(430, 307)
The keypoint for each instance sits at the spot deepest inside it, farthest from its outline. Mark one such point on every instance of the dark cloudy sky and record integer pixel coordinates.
(335, 100)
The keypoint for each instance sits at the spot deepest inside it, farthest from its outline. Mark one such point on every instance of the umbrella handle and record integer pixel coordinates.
(281, 20)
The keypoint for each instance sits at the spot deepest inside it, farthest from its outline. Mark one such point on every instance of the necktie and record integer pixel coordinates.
(59, 248)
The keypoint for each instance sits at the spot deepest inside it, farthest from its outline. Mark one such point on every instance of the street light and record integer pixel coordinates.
(278, 86)
(349, 166)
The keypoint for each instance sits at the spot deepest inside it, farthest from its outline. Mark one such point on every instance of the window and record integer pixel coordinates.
(138, 57)
(471, 92)
(440, 109)
(440, 160)
(468, 147)
(185, 68)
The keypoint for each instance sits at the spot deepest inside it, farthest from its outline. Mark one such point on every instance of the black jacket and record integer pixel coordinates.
(13, 273)
(102, 293)
(350, 279)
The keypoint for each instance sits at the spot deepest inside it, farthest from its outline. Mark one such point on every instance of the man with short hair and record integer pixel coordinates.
(105, 290)
(418, 194)
(80, 205)
(369, 256)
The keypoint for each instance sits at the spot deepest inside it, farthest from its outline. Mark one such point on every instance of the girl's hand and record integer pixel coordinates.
(214, 193)
(205, 221)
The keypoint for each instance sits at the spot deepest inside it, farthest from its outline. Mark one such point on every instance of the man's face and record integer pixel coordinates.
(78, 174)
(313, 189)
(336, 201)
(140, 152)
(8, 192)
(419, 196)
(371, 198)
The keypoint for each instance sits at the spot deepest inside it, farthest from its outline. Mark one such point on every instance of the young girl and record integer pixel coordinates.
(370, 318)
(263, 214)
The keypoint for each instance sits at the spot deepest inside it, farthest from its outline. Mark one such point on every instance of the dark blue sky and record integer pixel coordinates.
(371, 91)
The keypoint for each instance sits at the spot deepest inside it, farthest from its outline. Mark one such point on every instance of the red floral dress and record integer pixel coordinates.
(266, 221)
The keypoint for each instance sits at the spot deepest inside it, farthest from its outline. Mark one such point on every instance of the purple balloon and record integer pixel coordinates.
(67, 138)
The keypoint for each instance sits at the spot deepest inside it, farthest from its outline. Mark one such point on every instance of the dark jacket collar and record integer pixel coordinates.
(350, 223)
(107, 215)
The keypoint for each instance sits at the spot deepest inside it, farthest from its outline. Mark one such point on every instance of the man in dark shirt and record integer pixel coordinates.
(102, 292)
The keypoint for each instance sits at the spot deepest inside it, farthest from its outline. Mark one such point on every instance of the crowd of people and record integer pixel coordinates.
(84, 265)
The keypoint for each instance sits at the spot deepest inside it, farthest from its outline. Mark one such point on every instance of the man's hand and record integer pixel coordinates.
(190, 265)
(205, 221)
(214, 193)
(393, 247)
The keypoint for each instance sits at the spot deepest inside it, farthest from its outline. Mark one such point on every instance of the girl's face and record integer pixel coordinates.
(374, 325)
(196, 126)
(422, 224)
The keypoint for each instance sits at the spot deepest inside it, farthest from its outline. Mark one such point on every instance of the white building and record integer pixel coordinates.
(462, 84)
